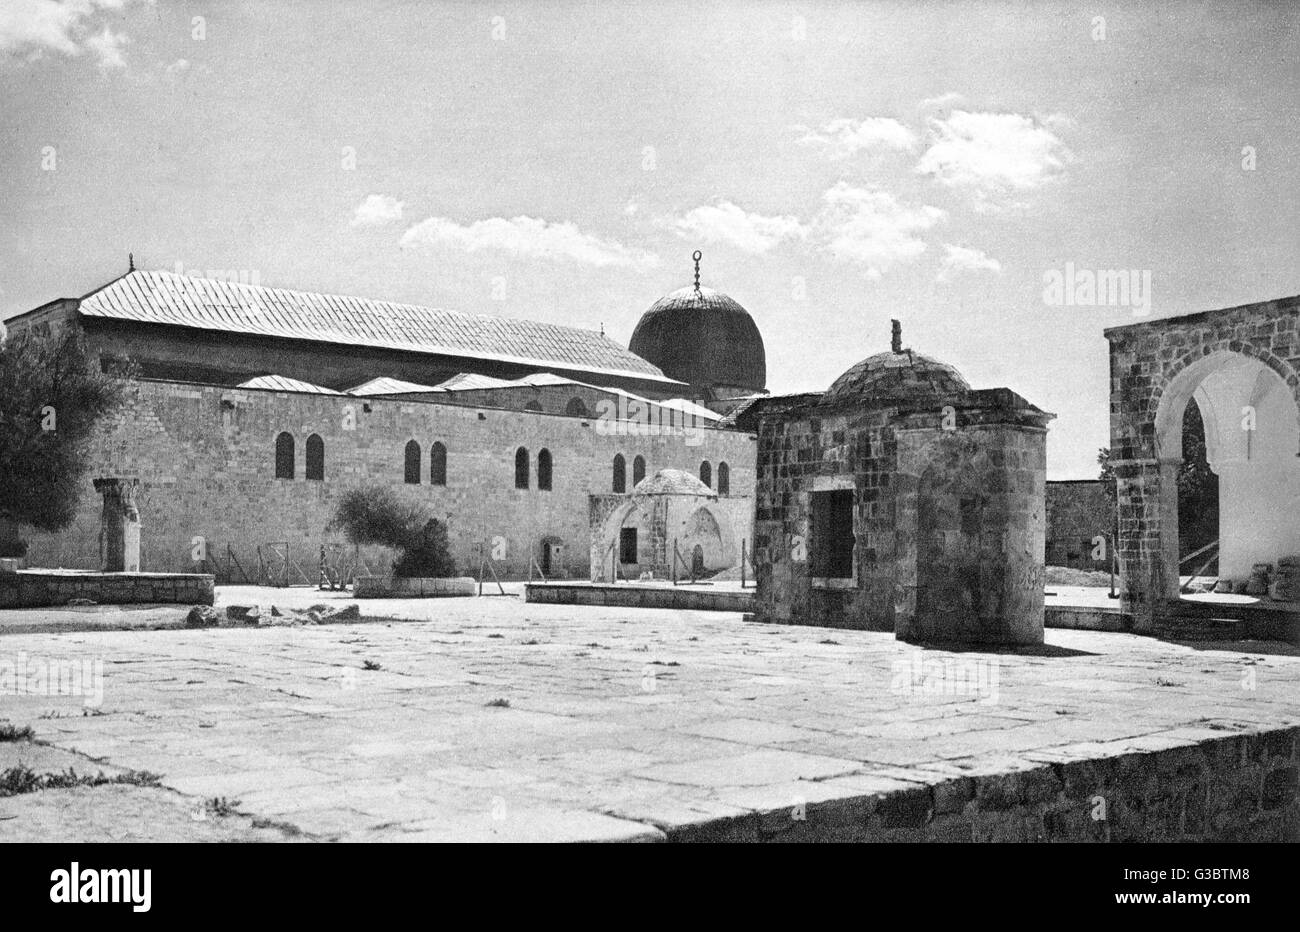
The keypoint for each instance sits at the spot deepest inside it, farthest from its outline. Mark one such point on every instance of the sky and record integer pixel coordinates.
(966, 168)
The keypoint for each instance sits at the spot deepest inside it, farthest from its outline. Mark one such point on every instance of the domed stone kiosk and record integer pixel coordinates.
(902, 499)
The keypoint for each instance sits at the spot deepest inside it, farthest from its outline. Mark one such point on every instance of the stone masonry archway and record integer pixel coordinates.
(1227, 360)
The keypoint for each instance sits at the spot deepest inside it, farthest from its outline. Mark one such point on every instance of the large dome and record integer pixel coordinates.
(703, 337)
(902, 376)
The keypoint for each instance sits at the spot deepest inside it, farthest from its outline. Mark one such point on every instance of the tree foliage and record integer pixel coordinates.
(376, 515)
(52, 395)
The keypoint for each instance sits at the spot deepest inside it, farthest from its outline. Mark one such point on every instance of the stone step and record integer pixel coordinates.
(1201, 628)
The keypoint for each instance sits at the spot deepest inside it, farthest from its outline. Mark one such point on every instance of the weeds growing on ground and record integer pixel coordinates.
(22, 779)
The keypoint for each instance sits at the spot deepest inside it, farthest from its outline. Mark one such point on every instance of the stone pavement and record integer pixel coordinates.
(497, 720)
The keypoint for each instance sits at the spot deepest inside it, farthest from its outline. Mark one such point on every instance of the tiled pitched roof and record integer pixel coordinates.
(232, 307)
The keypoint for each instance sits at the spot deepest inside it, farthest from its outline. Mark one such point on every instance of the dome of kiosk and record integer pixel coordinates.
(673, 482)
(900, 375)
(704, 338)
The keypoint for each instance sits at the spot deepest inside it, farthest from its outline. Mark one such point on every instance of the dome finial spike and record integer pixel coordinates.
(896, 336)
(697, 257)
(130, 262)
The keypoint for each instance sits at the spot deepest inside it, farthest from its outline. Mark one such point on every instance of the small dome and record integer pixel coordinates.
(704, 338)
(898, 376)
(672, 482)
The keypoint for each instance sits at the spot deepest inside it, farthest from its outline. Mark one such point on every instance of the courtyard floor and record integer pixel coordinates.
(491, 719)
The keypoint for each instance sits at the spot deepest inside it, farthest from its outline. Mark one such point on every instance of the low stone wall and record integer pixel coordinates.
(1241, 788)
(48, 588)
(1084, 618)
(413, 587)
(633, 596)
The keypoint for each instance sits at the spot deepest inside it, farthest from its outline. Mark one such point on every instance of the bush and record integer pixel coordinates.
(376, 516)
(52, 397)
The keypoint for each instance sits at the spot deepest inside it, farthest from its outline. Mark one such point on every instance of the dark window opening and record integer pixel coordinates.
(437, 464)
(576, 408)
(544, 470)
(284, 456)
(638, 470)
(724, 479)
(412, 469)
(627, 545)
(521, 468)
(832, 534)
(706, 474)
(315, 457)
(620, 473)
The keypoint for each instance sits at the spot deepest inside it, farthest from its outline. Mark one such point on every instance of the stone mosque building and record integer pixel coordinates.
(254, 409)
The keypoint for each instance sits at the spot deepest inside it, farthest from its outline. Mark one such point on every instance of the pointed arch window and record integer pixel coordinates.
(315, 457)
(284, 456)
(706, 473)
(521, 468)
(412, 463)
(620, 473)
(638, 470)
(724, 479)
(437, 464)
(544, 470)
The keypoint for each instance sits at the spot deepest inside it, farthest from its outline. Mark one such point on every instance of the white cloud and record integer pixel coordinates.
(846, 137)
(966, 259)
(377, 210)
(726, 222)
(528, 237)
(942, 102)
(179, 66)
(32, 28)
(108, 46)
(993, 155)
(872, 228)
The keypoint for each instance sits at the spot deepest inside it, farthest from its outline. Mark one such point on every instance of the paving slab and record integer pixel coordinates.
(675, 722)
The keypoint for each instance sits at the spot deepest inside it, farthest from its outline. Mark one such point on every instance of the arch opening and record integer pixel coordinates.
(1250, 426)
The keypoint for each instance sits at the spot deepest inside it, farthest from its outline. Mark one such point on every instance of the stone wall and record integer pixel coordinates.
(1077, 511)
(1241, 788)
(37, 589)
(206, 459)
(1146, 361)
(857, 449)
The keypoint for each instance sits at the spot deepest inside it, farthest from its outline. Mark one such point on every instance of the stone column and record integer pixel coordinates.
(1148, 555)
(119, 532)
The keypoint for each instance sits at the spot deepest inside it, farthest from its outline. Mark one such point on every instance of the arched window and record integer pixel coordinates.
(724, 479)
(620, 473)
(284, 456)
(706, 474)
(315, 457)
(638, 470)
(521, 468)
(412, 462)
(576, 408)
(544, 470)
(437, 464)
